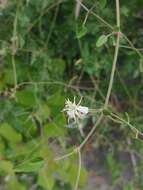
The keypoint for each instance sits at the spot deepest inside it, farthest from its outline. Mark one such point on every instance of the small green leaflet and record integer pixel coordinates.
(101, 40)
(81, 32)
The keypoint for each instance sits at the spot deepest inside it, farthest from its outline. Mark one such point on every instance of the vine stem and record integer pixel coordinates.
(79, 169)
(110, 82)
(113, 70)
(111, 76)
(14, 72)
(132, 46)
(66, 155)
(14, 48)
(115, 55)
(118, 13)
(96, 15)
(91, 131)
(128, 124)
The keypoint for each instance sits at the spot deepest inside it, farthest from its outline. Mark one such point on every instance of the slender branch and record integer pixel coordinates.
(127, 123)
(66, 155)
(92, 131)
(118, 13)
(14, 49)
(113, 70)
(96, 15)
(115, 55)
(133, 159)
(14, 71)
(43, 13)
(132, 46)
(79, 170)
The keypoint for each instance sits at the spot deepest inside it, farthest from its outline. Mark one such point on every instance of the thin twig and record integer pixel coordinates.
(66, 155)
(92, 131)
(134, 129)
(132, 46)
(118, 13)
(43, 13)
(96, 15)
(115, 55)
(14, 47)
(14, 71)
(79, 170)
(133, 159)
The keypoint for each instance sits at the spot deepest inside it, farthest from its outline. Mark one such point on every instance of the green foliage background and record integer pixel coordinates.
(46, 56)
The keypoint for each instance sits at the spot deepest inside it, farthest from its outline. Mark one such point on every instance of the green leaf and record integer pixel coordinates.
(13, 184)
(8, 77)
(101, 40)
(72, 174)
(102, 3)
(26, 97)
(45, 180)
(43, 111)
(6, 167)
(26, 150)
(9, 133)
(55, 128)
(125, 11)
(46, 176)
(29, 167)
(128, 187)
(55, 103)
(57, 67)
(81, 32)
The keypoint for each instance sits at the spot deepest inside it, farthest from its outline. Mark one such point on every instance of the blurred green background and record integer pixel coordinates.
(51, 50)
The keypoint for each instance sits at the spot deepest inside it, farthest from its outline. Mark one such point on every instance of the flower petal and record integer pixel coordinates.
(71, 114)
(82, 109)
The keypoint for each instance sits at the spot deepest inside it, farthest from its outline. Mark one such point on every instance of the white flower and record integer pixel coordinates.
(75, 111)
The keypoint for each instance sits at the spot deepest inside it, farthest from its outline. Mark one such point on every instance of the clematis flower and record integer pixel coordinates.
(75, 111)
